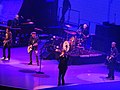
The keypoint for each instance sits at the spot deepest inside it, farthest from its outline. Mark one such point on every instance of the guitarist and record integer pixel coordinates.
(7, 44)
(33, 46)
(85, 31)
(83, 34)
(111, 61)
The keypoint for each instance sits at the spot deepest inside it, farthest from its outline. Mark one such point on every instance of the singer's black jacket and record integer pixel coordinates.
(63, 61)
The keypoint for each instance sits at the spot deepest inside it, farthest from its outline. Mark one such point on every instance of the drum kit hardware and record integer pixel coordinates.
(70, 32)
(72, 44)
(76, 40)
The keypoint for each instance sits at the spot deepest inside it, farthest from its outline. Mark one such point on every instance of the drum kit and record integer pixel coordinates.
(73, 43)
(70, 43)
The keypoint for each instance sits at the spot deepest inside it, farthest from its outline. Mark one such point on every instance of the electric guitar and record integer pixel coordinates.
(85, 37)
(30, 47)
(5, 42)
(109, 58)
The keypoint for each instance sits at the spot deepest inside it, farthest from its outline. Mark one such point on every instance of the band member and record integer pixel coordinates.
(85, 31)
(17, 21)
(63, 59)
(7, 44)
(85, 35)
(111, 61)
(33, 46)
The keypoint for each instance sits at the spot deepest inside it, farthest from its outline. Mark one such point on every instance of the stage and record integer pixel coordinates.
(84, 30)
(17, 74)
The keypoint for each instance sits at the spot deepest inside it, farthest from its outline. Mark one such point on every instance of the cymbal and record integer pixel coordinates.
(38, 29)
(27, 23)
(70, 32)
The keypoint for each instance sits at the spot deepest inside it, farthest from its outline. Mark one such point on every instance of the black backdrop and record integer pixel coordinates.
(104, 36)
(42, 12)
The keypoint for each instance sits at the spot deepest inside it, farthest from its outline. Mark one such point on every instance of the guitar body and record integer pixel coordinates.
(29, 49)
(5, 42)
(109, 59)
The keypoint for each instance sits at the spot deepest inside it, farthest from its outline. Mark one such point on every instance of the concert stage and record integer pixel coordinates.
(17, 74)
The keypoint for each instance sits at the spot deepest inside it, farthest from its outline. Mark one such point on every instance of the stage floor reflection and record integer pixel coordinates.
(17, 73)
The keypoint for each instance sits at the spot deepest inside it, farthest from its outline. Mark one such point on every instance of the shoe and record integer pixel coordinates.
(108, 78)
(6, 58)
(111, 78)
(30, 63)
(59, 83)
(63, 83)
(2, 58)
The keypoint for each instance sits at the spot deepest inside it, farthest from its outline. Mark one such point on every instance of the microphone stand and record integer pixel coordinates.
(40, 72)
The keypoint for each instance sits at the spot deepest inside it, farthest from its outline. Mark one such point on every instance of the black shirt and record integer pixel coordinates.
(114, 52)
(63, 61)
(32, 41)
(85, 31)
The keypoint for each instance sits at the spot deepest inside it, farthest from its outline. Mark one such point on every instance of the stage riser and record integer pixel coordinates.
(86, 60)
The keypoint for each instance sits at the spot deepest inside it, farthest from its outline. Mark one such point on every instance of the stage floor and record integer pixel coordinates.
(16, 72)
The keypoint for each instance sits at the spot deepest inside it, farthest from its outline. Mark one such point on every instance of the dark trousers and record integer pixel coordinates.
(111, 68)
(36, 54)
(86, 44)
(4, 51)
(62, 72)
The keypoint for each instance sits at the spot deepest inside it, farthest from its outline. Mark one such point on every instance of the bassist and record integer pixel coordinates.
(111, 61)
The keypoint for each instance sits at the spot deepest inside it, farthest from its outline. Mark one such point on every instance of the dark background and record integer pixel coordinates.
(42, 12)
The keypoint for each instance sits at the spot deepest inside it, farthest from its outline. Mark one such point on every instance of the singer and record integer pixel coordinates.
(63, 60)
